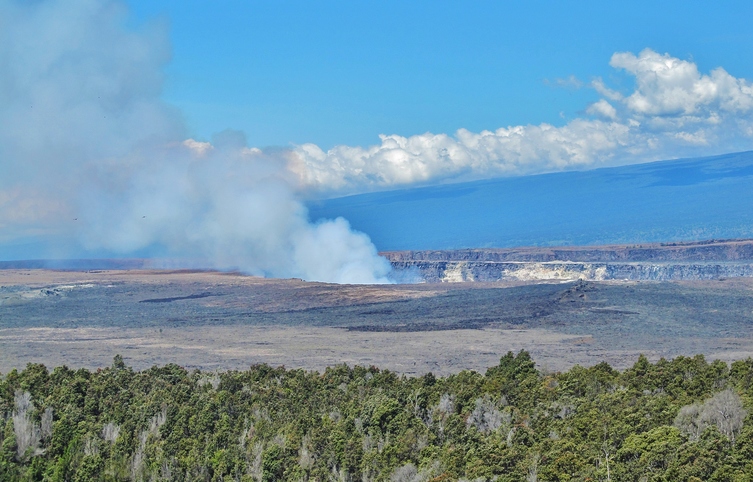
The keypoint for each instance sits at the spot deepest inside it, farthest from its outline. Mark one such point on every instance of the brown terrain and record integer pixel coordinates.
(211, 320)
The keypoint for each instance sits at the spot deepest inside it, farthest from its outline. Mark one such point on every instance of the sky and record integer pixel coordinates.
(200, 131)
(330, 73)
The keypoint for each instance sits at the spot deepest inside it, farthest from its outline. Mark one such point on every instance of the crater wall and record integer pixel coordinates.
(705, 260)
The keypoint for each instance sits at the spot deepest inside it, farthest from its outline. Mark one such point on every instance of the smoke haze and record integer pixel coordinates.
(88, 150)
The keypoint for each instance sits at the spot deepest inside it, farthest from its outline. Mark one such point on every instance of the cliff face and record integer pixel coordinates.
(659, 262)
(459, 271)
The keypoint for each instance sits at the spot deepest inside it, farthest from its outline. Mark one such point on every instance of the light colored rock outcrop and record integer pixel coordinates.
(657, 262)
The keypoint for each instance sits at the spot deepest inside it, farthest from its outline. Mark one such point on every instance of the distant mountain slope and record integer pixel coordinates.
(722, 250)
(686, 199)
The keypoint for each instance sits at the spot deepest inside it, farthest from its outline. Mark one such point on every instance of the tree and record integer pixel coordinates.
(724, 410)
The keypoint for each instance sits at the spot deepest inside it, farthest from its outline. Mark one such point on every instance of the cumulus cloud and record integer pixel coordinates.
(668, 86)
(674, 110)
(429, 158)
(88, 150)
(602, 108)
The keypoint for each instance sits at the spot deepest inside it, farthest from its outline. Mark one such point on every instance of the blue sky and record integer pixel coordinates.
(329, 73)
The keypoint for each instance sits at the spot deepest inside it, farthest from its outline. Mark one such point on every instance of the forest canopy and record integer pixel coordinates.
(681, 419)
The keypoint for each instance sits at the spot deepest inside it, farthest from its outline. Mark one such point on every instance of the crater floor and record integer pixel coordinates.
(215, 320)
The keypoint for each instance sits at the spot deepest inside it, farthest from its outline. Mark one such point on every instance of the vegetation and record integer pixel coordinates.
(679, 420)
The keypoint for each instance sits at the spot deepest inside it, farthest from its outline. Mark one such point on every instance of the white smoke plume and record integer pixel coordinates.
(87, 148)
(235, 207)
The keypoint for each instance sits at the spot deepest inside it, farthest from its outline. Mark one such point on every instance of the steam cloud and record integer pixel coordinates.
(84, 136)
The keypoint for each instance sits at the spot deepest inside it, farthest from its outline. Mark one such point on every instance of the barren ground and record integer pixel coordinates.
(228, 321)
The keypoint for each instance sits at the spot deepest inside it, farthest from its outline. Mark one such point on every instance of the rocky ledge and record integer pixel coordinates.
(703, 260)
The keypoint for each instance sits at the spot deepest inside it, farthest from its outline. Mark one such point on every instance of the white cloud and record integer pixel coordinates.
(199, 149)
(600, 87)
(602, 108)
(673, 111)
(698, 137)
(668, 86)
(428, 157)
